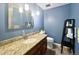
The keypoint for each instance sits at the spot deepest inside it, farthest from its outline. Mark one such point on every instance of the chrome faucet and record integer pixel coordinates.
(24, 34)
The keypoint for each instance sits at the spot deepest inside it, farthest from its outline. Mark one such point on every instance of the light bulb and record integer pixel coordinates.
(37, 13)
(26, 7)
(32, 14)
(20, 9)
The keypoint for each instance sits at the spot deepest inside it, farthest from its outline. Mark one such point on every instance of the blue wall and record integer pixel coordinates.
(75, 14)
(2, 18)
(54, 21)
(4, 34)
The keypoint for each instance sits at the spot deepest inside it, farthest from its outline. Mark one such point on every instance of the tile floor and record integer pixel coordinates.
(56, 50)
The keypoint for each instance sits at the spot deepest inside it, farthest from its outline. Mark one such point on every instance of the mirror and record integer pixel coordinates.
(20, 16)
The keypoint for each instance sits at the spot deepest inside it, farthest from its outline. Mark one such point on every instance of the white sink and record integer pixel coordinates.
(29, 41)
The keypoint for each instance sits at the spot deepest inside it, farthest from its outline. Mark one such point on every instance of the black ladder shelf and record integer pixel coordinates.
(68, 38)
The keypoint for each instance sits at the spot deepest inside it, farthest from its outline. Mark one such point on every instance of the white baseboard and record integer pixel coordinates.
(59, 45)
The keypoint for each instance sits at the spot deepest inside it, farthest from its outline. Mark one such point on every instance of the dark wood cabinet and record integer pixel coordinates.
(39, 49)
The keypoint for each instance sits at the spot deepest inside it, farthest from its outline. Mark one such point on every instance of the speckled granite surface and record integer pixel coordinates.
(18, 47)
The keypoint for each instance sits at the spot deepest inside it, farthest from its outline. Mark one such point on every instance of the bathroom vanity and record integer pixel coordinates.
(38, 49)
(35, 44)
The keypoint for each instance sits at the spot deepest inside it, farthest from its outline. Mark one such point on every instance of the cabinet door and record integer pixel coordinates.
(39, 49)
(44, 47)
(35, 50)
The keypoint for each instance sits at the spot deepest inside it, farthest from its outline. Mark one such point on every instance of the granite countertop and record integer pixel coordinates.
(18, 47)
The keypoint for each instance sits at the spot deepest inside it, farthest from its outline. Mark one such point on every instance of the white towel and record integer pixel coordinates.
(69, 34)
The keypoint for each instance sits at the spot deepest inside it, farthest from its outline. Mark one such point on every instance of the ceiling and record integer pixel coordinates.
(50, 5)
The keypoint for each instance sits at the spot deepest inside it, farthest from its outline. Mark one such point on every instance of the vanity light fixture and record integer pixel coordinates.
(26, 7)
(37, 13)
(20, 9)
